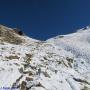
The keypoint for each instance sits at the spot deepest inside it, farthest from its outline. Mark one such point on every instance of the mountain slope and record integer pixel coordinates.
(60, 63)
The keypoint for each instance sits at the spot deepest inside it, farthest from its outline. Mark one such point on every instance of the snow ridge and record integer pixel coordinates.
(59, 63)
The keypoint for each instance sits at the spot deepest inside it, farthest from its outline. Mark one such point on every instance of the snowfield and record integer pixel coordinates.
(59, 63)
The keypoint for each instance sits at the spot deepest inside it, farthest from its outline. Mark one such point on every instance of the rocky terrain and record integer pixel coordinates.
(59, 63)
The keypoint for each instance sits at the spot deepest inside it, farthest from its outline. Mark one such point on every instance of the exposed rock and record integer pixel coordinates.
(29, 78)
(23, 86)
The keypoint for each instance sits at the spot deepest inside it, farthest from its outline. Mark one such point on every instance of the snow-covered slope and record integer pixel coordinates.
(60, 63)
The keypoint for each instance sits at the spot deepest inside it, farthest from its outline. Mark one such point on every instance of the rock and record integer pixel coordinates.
(29, 78)
(23, 86)
(46, 74)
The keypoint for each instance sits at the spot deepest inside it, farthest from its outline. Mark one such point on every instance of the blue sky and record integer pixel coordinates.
(43, 19)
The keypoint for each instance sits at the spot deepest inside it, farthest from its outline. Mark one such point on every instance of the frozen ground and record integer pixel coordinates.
(59, 63)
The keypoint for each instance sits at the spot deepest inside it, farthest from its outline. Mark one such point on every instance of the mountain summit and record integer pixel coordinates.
(59, 63)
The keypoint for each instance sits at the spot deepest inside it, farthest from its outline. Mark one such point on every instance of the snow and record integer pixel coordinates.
(57, 72)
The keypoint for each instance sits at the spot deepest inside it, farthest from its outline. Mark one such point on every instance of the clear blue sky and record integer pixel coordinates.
(42, 19)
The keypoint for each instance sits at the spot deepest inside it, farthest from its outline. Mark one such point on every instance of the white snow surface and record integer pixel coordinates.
(59, 63)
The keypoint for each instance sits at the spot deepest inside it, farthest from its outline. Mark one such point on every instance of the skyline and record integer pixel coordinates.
(43, 19)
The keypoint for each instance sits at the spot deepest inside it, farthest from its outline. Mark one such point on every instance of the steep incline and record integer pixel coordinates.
(60, 63)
